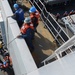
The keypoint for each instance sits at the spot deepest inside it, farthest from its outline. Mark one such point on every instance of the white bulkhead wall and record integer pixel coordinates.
(23, 62)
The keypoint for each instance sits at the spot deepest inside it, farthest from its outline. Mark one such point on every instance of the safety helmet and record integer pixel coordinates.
(16, 6)
(32, 9)
(27, 20)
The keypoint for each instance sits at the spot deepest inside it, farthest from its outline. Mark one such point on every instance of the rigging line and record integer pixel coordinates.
(13, 40)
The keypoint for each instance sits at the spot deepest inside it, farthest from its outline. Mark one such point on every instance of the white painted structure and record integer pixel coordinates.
(70, 22)
(2, 28)
(23, 62)
(62, 66)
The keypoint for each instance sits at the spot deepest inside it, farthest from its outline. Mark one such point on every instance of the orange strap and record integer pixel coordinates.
(25, 27)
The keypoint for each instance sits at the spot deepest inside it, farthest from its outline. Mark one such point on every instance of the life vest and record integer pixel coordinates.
(37, 14)
(25, 27)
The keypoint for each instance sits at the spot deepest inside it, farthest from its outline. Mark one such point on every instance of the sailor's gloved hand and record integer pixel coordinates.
(19, 36)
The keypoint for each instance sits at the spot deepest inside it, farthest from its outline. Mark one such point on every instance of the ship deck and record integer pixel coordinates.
(44, 42)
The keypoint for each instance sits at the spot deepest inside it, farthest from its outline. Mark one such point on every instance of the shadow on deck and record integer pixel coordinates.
(44, 44)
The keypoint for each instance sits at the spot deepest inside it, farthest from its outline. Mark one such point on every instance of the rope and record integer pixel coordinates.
(12, 41)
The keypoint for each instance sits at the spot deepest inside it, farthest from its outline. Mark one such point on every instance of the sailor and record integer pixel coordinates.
(57, 16)
(27, 32)
(7, 58)
(65, 14)
(34, 17)
(18, 15)
(71, 12)
(7, 64)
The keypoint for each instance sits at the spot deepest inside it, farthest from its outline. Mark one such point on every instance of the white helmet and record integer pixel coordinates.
(27, 20)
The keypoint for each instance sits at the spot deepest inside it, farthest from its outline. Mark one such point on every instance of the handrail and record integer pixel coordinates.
(51, 31)
(64, 47)
(52, 17)
(59, 26)
(54, 27)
